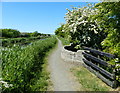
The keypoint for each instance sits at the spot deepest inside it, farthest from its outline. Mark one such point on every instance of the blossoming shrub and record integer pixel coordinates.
(96, 26)
(82, 30)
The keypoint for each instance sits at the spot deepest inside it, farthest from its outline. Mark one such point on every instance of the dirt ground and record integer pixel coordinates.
(60, 74)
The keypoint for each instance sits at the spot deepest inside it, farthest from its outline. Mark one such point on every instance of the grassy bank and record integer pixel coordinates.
(89, 81)
(46, 83)
(24, 69)
(64, 41)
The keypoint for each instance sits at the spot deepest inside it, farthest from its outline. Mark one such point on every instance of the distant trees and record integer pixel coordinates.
(10, 33)
(24, 34)
(34, 34)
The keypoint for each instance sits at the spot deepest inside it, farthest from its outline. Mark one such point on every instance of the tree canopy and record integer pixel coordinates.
(10, 33)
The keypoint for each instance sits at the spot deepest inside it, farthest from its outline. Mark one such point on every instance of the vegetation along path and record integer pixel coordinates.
(61, 77)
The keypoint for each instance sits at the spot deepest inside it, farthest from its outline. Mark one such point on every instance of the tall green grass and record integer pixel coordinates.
(22, 69)
(89, 81)
(64, 41)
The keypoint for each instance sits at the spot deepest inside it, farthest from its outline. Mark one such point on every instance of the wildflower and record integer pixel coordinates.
(5, 84)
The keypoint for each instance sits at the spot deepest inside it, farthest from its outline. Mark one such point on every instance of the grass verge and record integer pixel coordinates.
(44, 83)
(89, 81)
(64, 41)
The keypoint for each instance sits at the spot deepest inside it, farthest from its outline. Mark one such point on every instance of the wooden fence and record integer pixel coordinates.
(94, 63)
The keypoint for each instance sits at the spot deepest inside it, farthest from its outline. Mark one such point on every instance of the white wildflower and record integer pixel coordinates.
(5, 84)
(95, 31)
(88, 38)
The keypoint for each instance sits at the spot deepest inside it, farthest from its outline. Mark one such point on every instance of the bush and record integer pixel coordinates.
(10, 33)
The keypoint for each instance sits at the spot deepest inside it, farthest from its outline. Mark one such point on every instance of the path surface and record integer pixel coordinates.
(61, 77)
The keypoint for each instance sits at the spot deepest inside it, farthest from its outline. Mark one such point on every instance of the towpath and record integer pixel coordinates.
(61, 76)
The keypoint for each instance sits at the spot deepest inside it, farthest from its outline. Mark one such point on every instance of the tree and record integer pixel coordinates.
(108, 18)
(35, 33)
(81, 29)
(96, 26)
(10, 33)
(59, 31)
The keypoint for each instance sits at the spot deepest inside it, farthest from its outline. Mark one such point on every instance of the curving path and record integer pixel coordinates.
(61, 77)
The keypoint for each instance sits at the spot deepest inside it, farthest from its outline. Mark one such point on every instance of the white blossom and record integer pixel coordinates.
(5, 84)
(88, 38)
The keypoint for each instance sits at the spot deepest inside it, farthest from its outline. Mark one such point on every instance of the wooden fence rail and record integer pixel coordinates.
(97, 65)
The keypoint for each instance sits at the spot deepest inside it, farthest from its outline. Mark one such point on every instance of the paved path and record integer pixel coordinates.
(61, 77)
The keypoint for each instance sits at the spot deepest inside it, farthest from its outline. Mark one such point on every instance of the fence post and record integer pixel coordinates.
(114, 81)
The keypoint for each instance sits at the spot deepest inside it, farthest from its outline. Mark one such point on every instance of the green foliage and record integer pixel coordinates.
(109, 20)
(81, 29)
(10, 33)
(96, 26)
(64, 41)
(23, 67)
(34, 34)
(59, 31)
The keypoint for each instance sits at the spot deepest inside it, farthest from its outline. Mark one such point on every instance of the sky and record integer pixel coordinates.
(44, 17)
(49, 0)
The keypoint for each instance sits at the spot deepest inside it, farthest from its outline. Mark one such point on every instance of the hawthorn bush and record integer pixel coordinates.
(96, 26)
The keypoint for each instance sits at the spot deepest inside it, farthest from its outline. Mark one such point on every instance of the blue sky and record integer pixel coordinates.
(49, 0)
(0, 15)
(43, 17)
